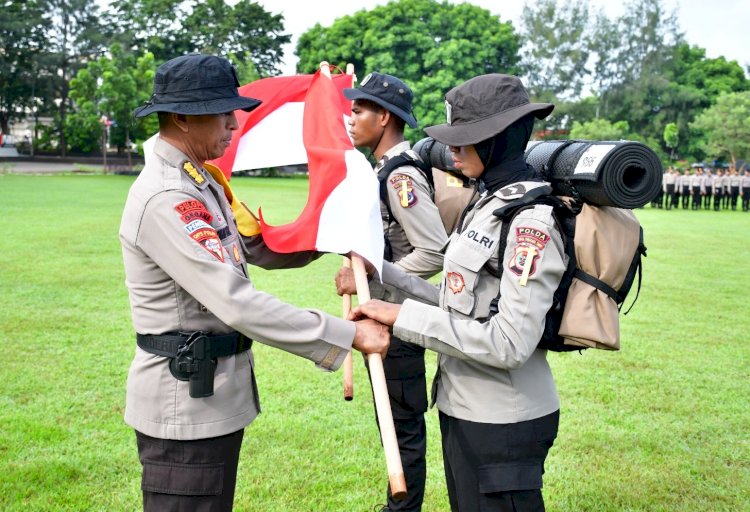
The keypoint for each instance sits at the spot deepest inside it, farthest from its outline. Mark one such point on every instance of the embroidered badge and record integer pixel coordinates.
(513, 190)
(236, 253)
(193, 210)
(213, 246)
(405, 188)
(191, 171)
(195, 225)
(531, 242)
(203, 234)
(455, 282)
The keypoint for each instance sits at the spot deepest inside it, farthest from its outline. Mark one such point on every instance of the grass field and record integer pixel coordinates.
(662, 425)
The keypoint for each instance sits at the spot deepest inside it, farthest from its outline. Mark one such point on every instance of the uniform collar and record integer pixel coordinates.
(394, 151)
(176, 158)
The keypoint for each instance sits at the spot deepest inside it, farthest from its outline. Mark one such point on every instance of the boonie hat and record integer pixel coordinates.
(387, 91)
(196, 84)
(483, 107)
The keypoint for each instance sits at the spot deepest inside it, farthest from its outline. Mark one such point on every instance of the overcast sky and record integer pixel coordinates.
(722, 27)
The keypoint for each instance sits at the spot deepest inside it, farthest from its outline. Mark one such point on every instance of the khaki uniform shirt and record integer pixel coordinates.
(490, 370)
(417, 236)
(185, 270)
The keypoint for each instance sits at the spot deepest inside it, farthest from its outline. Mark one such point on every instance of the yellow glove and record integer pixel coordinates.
(247, 223)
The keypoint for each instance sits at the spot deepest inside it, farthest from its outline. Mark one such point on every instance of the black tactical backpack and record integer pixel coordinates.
(571, 312)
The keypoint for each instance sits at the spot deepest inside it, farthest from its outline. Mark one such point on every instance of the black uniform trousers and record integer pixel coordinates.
(718, 197)
(734, 193)
(407, 389)
(707, 198)
(496, 467)
(696, 198)
(685, 197)
(198, 475)
(407, 392)
(745, 199)
(671, 197)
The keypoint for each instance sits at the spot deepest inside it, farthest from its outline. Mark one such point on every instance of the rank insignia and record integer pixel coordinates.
(191, 171)
(405, 187)
(455, 282)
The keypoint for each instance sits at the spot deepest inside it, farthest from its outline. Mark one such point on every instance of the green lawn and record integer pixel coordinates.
(663, 425)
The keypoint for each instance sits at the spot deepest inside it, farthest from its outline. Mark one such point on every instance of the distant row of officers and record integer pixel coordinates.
(704, 188)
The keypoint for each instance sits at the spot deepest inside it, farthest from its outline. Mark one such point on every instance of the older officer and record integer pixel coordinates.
(191, 389)
(414, 238)
(498, 403)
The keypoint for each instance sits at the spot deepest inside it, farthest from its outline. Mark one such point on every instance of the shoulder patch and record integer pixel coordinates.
(403, 184)
(191, 171)
(529, 245)
(193, 210)
(512, 191)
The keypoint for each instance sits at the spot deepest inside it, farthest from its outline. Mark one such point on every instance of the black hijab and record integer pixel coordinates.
(502, 156)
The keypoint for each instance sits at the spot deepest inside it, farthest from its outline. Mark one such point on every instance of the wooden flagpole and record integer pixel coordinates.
(348, 366)
(377, 378)
(347, 307)
(380, 393)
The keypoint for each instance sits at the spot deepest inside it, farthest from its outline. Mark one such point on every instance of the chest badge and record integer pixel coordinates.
(455, 282)
(236, 253)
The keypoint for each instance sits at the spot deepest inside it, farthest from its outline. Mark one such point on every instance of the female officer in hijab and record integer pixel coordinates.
(497, 399)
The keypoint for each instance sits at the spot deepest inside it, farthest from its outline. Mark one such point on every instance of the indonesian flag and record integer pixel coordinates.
(342, 213)
(271, 135)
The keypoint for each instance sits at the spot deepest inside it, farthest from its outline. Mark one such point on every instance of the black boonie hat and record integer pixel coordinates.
(196, 84)
(483, 107)
(387, 91)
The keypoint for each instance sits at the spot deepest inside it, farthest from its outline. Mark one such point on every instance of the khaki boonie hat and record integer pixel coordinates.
(485, 106)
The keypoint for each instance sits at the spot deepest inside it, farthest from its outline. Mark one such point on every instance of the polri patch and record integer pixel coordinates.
(191, 171)
(530, 243)
(455, 282)
(214, 247)
(403, 184)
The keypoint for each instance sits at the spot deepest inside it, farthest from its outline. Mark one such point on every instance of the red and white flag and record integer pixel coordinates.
(271, 135)
(342, 213)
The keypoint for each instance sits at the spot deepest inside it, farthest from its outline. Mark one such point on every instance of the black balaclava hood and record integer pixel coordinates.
(503, 156)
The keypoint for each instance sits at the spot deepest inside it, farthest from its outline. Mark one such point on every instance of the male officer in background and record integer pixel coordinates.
(745, 190)
(191, 387)
(669, 184)
(414, 238)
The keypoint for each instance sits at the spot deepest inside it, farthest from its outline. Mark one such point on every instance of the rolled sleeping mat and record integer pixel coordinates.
(435, 154)
(623, 174)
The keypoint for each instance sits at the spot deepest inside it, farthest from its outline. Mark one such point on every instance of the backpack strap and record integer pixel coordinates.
(619, 295)
(564, 217)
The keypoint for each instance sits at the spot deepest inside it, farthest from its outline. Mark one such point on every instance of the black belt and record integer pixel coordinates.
(167, 345)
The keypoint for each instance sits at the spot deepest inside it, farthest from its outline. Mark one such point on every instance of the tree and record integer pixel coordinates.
(600, 129)
(76, 35)
(111, 86)
(22, 41)
(726, 127)
(168, 29)
(671, 139)
(556, 48)
(433, 46)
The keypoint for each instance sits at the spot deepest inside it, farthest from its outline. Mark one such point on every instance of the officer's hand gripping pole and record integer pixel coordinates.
(380, 393)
